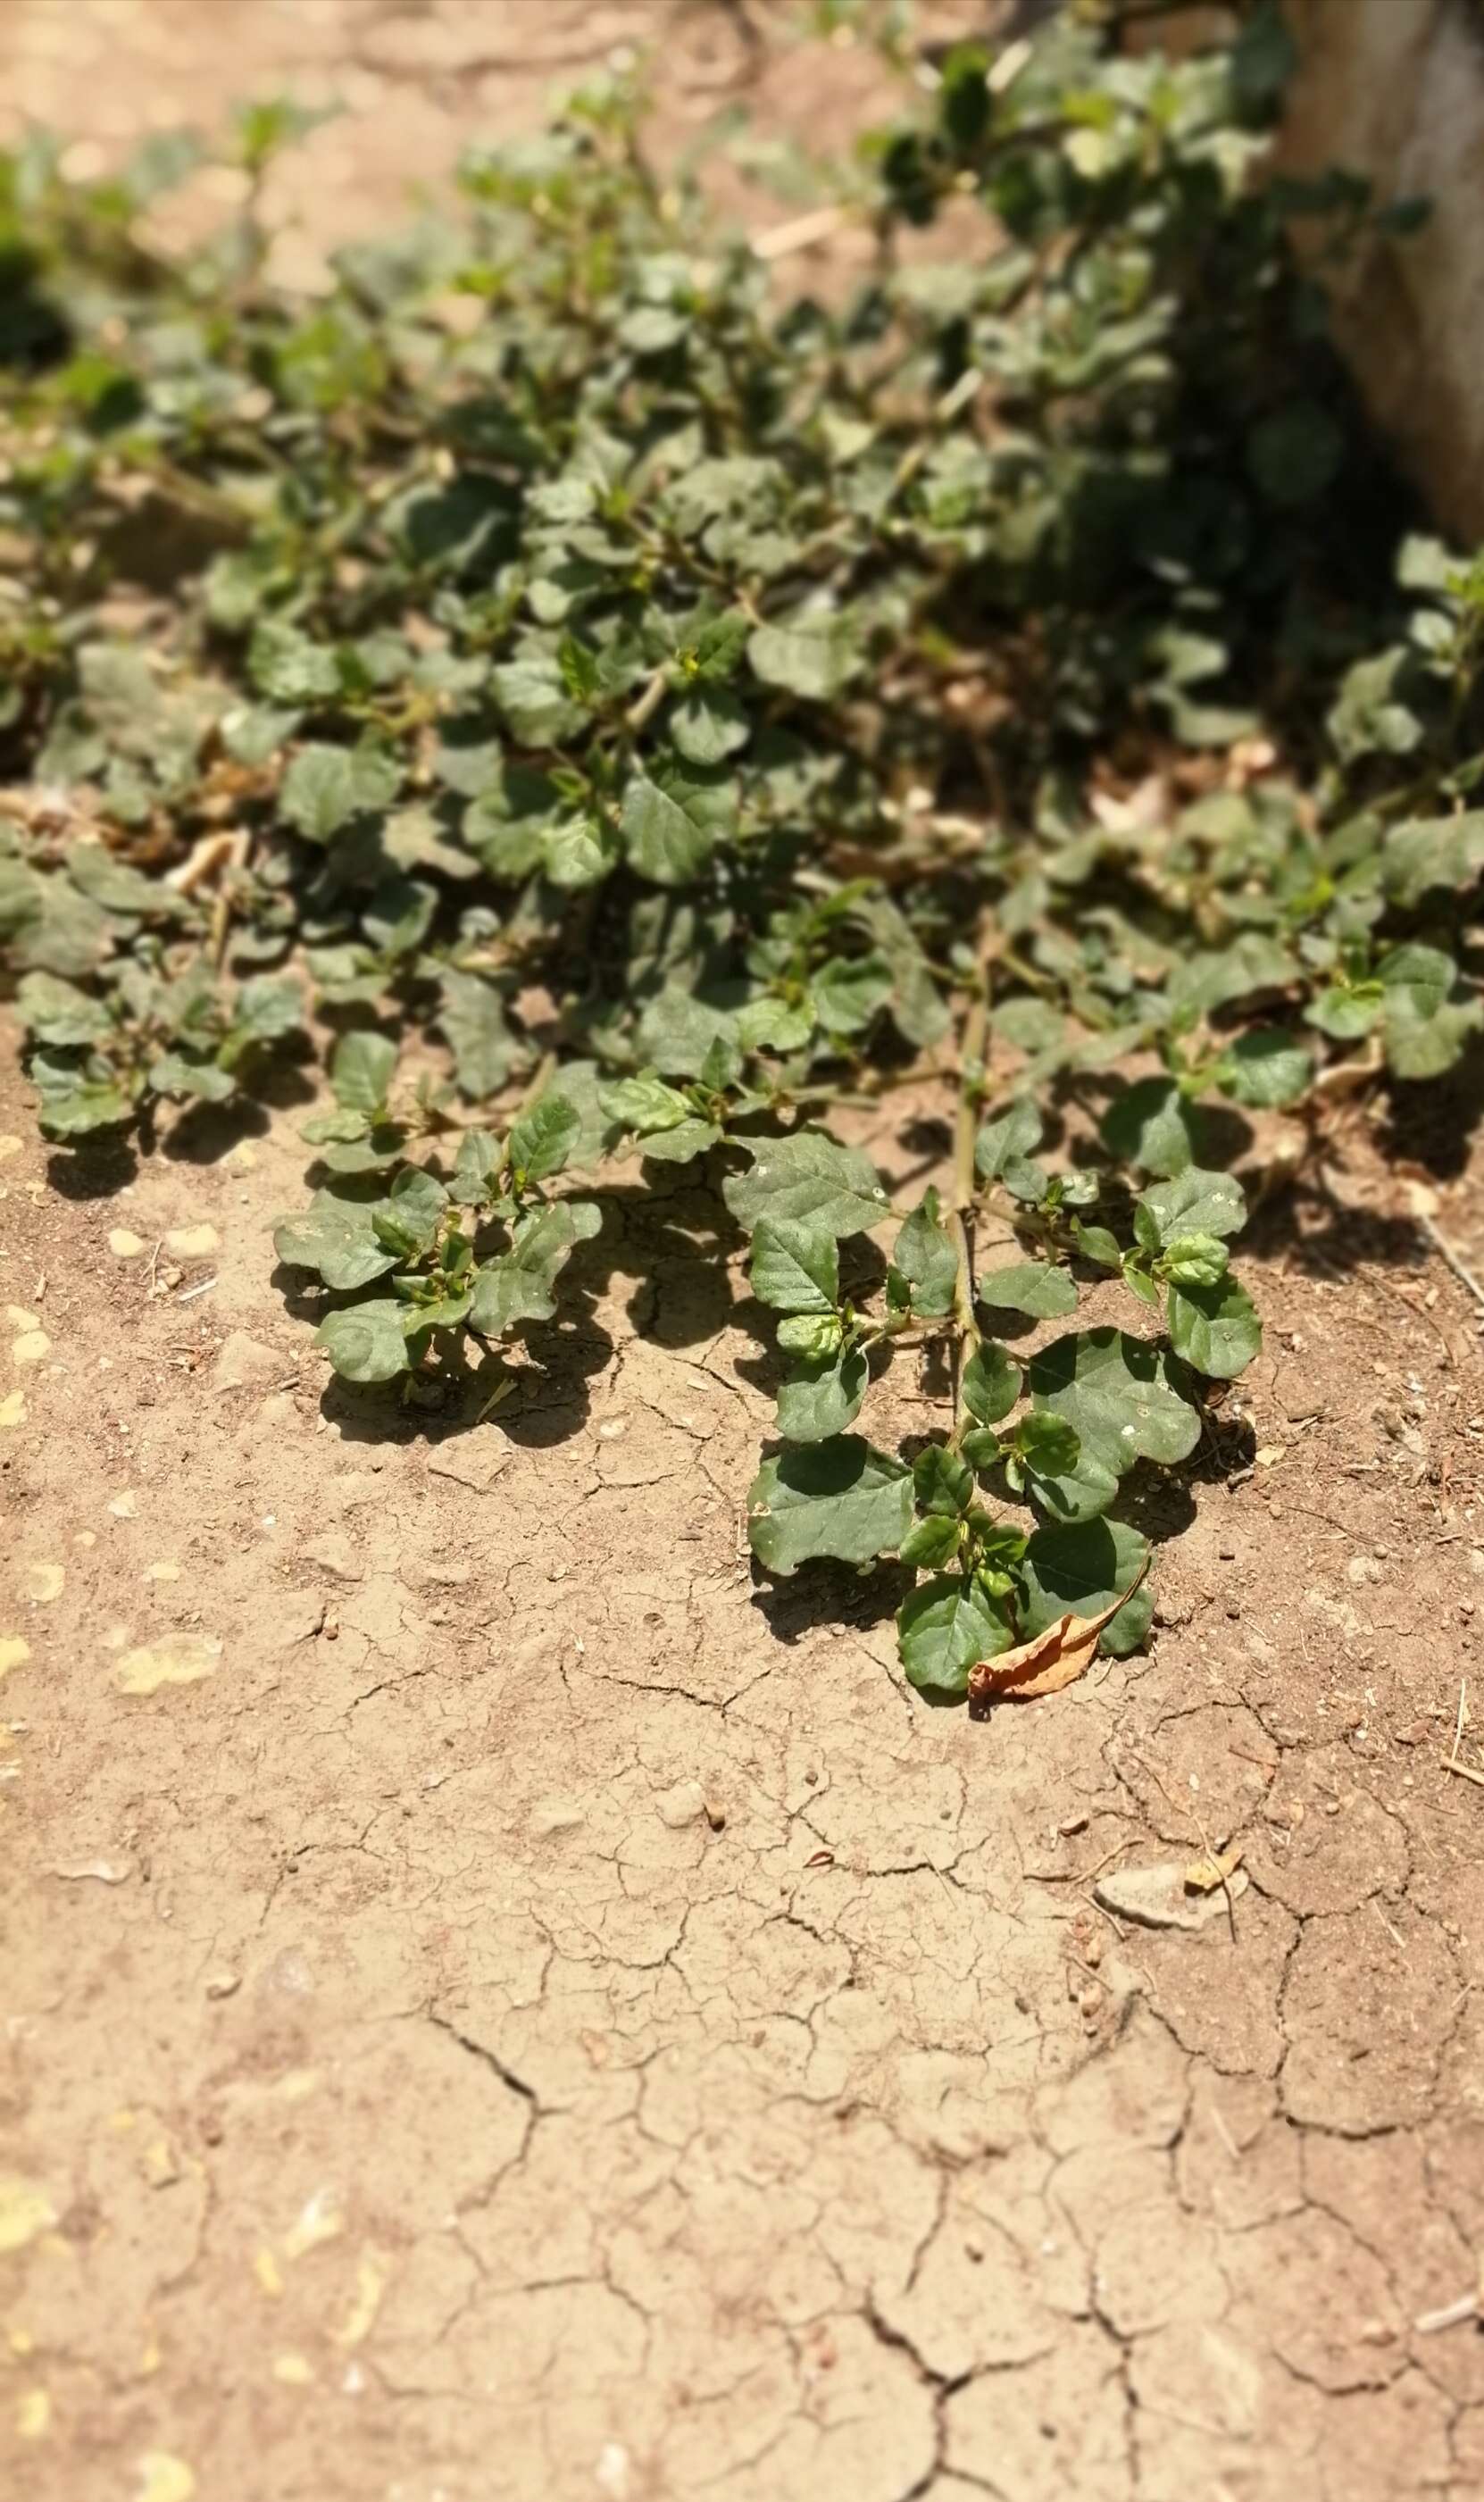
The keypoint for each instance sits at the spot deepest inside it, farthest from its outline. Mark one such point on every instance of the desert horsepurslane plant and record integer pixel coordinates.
(638, 710)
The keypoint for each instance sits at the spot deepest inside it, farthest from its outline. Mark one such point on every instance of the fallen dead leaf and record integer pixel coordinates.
(1050, 1660)
(1203, 1875)
(181, 1663)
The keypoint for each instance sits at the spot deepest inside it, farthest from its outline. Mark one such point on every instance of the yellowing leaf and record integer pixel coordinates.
(1050, 1660)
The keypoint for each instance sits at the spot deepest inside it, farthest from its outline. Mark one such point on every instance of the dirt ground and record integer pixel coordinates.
(489, 2016)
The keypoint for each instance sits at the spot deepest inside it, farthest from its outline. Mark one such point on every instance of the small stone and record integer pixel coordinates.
(123, 1244)
(335, 1554)
(193, 1241)
(243, 1363)
(221, 1984)
(1156, 1897)
(43, 1582)
(10, 1146)
(15, 1651)
(470, 1461)
(123, 1506)
(552, 1816)
(685, 1804)
(30, 1347)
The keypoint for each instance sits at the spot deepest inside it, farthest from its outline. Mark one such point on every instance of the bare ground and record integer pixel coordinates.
(492, 2014)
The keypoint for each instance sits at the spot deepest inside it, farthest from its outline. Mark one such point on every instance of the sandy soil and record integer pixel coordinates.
(491, 2015)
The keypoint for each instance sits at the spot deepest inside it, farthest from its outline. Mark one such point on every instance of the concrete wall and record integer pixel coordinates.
(1394, 90)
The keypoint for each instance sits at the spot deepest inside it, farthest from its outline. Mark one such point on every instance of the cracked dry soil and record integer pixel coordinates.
(498, 2004)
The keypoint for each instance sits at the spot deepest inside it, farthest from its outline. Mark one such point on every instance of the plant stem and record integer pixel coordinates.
(961, 1217)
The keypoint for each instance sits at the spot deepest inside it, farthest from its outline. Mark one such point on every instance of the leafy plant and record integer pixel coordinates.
(677, 714)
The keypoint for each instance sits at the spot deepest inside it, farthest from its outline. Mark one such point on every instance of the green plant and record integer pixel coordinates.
(698, 713)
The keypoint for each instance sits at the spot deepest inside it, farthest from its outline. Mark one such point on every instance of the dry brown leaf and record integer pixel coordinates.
(1203, 1875)
(1050, 1660)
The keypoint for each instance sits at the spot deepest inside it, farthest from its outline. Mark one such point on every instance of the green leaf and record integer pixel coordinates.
(472, 1019)
(1214, 1328)
(1116, 1395)
(839, 1499)
(59, 1014)
(1150, 1125)
(1002, 1149)
(201, 1081)
(325, 787)
(1029, 1285)
(1347, 1010)
(362, 1070)
(476, 1168)
(814, 653)
(1196, 1259)
(640, 1105)
(1047, 1445)
(1430, 855)
(1193, 1201)
(824, 1398)
(1265, 1068)
(850, 989)
(811, 1179)
(990, 1383)
(544, 1137)
(709, 726)
(933, 1541)
(926, 1260)
(289, 668)
(1081, 1568)
(337, 1238)
(407, 1220)
(795, 1266)
(71, 1111)
(774, 1026)
(941, 1482)
(1429, 1014)
(666, 840)
(814, 1334)
(689, 1137)
(944, 1628)
(366, 1342)
(518, 1285)
(1097, 1244)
